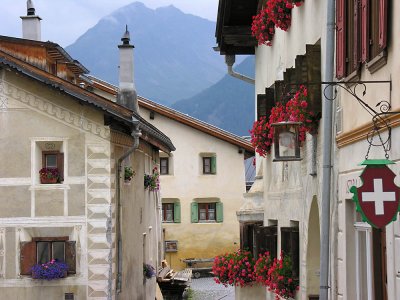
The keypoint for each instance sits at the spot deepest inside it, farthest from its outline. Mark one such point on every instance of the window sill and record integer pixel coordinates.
(377, 62)
(53, 186)
(208, 222)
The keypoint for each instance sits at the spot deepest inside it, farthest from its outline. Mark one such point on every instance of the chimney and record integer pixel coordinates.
(31, 23)
(127, 95)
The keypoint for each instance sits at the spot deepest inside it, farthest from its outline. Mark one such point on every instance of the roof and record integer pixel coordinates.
(120, 114)
(182, 118)
(54, 50)
(233, 30)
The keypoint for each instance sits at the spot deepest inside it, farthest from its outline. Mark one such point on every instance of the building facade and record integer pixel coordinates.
(102, 228)
(362, 259)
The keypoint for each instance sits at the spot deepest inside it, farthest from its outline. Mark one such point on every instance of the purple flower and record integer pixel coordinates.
(50, 270)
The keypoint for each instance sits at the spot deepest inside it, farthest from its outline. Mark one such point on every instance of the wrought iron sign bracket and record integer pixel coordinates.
(379, 113)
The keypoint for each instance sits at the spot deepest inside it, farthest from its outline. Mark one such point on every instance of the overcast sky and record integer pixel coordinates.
(63, 21)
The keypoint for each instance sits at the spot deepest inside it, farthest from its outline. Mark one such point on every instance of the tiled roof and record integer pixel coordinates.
(182, 118)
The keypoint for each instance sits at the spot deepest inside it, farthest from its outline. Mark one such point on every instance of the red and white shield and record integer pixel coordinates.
(378, 198)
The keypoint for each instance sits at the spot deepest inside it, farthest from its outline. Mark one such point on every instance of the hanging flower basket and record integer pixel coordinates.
(152, 181)
(50, 270)
(128, 174)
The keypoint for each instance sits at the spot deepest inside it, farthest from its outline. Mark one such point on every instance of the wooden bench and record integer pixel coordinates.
(197, 265)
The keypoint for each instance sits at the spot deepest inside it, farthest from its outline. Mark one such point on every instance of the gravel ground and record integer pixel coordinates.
(206, 289)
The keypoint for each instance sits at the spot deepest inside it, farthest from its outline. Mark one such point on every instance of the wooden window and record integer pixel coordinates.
(206, 212)
(290, 247)
(54, 159)
(164, 165)
(42, 250)
(361, 33)
(266, 239)
(209, 165)
(171, 212)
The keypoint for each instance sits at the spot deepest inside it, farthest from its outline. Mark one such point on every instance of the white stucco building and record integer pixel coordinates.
(362, 260)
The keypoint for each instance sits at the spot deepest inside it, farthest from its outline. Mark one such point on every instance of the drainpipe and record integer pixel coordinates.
(136, 134)
(327, 130)
(230, 60)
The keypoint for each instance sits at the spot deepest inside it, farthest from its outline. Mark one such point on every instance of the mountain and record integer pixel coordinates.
(228, 104)
(173, 53)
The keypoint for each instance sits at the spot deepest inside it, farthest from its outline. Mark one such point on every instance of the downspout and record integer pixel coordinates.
(327, 110)
(230, 60)
(136, 134)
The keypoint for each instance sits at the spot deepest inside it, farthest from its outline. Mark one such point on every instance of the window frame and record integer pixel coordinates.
(165, 159)
(207, 219)
(29, 253)
(211, 167)
(164, 212)
(59, 162)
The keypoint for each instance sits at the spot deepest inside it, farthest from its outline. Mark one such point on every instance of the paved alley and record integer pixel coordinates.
(207, 289)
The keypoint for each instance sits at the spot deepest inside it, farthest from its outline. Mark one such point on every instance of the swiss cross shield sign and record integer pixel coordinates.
(378, 198)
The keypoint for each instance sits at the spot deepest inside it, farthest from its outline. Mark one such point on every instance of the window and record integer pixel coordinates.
(266, 239)
(42, 249)
(171, 212)
(209, 165)
(361, 35)
(206, 212)
(164, 165)
(54, 160)
(290, 247)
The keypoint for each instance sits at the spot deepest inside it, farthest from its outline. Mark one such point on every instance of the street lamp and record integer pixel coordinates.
(286, 141)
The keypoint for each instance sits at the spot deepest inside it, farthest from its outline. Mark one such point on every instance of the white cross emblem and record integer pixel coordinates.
(378, 196)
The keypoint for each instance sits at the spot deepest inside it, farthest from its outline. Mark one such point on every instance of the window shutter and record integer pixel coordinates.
(27, 257)
(356, 37)
(70, 256)
(220, 212)
(213, 165)
(60, 165)
(340, 38)
(364, 30)
(285, 240)
(194, 207)
(295, 249)
(383, 5)
(243, 236)
(261, 105)
(177, 212)
(266, 240)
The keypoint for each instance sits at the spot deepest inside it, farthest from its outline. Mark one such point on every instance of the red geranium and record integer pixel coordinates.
(296, 110)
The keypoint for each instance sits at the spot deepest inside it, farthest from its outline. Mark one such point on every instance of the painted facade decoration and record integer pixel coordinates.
(103, 229)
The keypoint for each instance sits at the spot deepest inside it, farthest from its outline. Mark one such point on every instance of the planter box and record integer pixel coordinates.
(257, 291)
(48, 180)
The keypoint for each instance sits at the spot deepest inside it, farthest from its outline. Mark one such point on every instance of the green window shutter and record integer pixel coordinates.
(194, 207)
(177, 212)
(220, 212)
(213, 165)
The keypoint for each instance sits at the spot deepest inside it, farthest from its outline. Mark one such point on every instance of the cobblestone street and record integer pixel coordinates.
(207, 289)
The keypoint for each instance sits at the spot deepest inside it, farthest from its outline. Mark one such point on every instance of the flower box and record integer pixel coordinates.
(50, 270)
(49, 176)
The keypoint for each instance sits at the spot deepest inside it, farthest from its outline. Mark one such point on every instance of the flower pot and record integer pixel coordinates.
(48, 180)
(256, 291)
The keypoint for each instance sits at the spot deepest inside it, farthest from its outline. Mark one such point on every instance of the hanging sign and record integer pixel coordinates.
(378, 198)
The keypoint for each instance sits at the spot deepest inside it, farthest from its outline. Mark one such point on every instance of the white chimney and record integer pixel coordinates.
(31, 23)
(127, 95)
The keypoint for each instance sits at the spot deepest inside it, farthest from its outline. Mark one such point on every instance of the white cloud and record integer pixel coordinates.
(65, 20)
